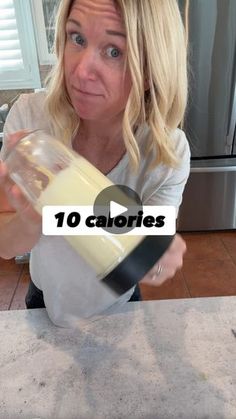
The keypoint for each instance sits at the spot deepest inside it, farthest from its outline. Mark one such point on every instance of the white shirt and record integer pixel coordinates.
(69, 284)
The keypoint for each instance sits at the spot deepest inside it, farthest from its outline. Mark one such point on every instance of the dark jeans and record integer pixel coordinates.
(34, 296)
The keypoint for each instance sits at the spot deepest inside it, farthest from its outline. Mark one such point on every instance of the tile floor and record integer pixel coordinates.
(209, 270)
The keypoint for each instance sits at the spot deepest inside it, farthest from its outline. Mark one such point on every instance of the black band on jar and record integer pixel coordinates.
(135, 266)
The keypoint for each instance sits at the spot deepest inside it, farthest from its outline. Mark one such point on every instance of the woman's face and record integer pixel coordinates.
(94, 60)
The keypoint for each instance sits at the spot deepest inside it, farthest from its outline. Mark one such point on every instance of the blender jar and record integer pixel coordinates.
(49, 173)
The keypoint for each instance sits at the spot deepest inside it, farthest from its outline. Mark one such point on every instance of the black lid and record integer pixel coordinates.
(134, 267)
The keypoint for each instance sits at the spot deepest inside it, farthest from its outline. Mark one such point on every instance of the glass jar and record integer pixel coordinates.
(49, 173)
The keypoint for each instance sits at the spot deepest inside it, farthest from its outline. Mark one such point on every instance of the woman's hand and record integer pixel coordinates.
(168, 264)
(13, 193)
(23, 230)
(16, 199)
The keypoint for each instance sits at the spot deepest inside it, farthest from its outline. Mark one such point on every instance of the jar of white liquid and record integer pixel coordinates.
(49, 173)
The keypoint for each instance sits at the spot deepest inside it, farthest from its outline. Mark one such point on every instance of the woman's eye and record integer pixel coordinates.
(113, 52)
(77, 39)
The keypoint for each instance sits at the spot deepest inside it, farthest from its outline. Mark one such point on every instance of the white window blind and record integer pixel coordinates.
(10, 49)
(18, 57)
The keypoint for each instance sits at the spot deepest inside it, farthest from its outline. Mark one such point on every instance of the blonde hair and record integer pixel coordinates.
(157, 59)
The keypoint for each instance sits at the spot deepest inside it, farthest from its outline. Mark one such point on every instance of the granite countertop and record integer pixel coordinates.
(157, 359)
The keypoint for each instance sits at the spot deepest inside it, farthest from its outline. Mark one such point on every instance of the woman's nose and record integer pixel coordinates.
(87, 65)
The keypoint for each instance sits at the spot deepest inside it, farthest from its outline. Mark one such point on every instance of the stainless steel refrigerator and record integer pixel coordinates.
(209, 201)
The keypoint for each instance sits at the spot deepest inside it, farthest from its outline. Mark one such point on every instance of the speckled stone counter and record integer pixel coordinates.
(158, 359)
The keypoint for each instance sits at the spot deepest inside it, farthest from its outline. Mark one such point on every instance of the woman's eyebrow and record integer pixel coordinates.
(74, 21)
(108, 31)
(116, 33)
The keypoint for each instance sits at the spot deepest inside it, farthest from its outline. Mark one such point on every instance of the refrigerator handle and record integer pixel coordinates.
(232, 123)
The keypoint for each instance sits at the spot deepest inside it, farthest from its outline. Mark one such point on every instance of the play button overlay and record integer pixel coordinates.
(118, 207)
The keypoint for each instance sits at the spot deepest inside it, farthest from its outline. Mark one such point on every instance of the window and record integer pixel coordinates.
(44, 12)
(18, 56)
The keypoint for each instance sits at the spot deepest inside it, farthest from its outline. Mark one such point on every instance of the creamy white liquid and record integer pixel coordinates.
(79, 184)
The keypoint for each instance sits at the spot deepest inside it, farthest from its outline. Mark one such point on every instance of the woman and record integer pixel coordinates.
(116, 96)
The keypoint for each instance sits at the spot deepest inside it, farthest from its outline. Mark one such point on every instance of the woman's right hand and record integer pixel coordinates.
(28, 223)
(16, 199)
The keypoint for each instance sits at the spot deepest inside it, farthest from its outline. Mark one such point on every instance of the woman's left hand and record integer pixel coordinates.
(168, 264)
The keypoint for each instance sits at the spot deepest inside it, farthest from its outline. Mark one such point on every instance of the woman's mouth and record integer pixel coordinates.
(86, 93)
